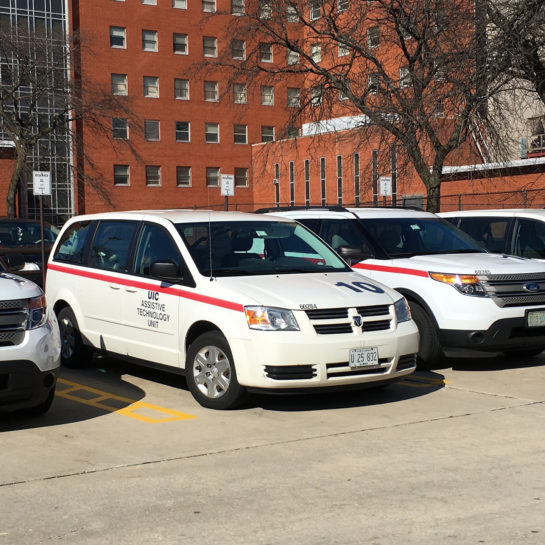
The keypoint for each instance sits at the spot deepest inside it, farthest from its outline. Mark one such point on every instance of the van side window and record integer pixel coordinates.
(529, 239)
(154, 245)
(71, 247)
(111, 246)
(343, 233)
(489, 232)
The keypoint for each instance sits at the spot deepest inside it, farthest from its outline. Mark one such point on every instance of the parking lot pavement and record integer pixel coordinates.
(127, 456)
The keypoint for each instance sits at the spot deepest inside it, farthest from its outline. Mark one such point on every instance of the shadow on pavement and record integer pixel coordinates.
(498, 363)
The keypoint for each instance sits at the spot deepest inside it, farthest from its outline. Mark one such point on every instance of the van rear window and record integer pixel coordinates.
(72, 245)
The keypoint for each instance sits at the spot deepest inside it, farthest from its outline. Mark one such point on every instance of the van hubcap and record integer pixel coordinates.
(212, 371)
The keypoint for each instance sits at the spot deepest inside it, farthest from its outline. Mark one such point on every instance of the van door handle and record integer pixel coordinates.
(115, 286)
(131, 290)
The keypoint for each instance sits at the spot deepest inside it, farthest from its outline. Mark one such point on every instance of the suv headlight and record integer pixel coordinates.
(37, 312)
(402, 310)
(271, 319)
(467, 284)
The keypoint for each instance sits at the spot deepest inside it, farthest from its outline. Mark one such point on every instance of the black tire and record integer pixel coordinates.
(74, 353)
(523, 353)
(43, 407)
(430, 353)
(210, 373)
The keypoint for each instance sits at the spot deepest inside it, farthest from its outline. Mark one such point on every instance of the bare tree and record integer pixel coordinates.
(41, 99)
(403, 71)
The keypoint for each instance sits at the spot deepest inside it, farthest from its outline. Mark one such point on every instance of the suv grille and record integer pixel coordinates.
(336, 321)
(515, 290)
(13, 318)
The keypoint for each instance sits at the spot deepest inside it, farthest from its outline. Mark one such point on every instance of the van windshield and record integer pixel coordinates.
(406, 237)
(241, 248)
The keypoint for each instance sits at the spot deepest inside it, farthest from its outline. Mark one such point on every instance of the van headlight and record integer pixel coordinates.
(467, 284)
(37, 312)
(402, 310)
(271, 319)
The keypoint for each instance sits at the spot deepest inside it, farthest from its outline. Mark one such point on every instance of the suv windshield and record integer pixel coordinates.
(243, 248)
(405, 237)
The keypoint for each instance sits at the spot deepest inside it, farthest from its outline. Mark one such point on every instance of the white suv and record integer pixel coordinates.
(232, 300)
(29, 347)
(515, 231)
(462, 298)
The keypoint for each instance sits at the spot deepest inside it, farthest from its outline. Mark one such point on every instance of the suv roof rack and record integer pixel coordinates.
(334, 208)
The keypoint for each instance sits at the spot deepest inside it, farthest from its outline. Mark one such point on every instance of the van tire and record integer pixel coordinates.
(430, 353)
(210, 373)
(74, 353)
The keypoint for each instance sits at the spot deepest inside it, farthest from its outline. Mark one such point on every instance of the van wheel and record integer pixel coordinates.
(430, 353)
(210, 373)
(74, 353)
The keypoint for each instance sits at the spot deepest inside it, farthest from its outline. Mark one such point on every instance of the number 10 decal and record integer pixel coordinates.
(358, 287)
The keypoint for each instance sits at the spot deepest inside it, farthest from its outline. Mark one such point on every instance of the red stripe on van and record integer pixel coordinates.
(147, 286)
(384, 268)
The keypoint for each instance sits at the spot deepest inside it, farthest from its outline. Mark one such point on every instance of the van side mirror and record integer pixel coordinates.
(353, 255)
(165, 270)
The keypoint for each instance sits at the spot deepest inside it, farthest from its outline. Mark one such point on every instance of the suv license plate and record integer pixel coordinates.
(536, 318)
(362, 357)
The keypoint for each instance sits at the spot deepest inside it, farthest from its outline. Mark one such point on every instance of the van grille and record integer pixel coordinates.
(13, 319)
(406, 362)
(343, 369)
(515, 290)
(337, 321)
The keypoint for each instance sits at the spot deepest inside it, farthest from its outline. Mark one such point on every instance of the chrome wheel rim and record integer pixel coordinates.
(212, 372)
(68, 339)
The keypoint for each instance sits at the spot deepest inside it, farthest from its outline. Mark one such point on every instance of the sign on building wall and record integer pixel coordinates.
(41, 182)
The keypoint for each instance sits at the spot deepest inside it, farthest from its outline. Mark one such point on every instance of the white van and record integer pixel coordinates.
(464, 300)
(234, 300)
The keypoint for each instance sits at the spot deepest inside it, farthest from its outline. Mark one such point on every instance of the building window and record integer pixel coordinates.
(151, 86)
(120, 128)
(265, 9)
(265, 52)
(292, 57)
(153, 175)
(183, 176)
(294, 97)
(149, 40)
(241, 177)
(239, 93)
(211, 91)
(209, 46)
(342, 50)
(238, 49)
(291, 14)
(267, 133)
(342, 5)
(117, 37)
(315, 96)
(267, 95)
(121, 174)
(316, 52)
(181, 89)
(357, 179)
(374, 83)
(180, 4)
(291, 175)
(404, 77)
(150, 2)
(179, 44)
(373, 37)
(211, 133)
(307, 182)
(119, 84)
(237, 7)
(323, 181)
(209, 6)
(339, 180)
(182, 131)
(212, 177)
(151, 130)
(315, 9)
(240, 134)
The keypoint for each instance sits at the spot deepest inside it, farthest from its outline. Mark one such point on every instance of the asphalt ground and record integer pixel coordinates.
(126, 456)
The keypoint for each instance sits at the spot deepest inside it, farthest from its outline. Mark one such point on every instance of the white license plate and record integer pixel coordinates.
(361, 357)
(536, 318)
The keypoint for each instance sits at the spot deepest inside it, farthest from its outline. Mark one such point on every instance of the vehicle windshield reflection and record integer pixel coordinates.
(257, 248)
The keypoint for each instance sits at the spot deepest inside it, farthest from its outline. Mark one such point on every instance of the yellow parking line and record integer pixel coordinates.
(131, 410)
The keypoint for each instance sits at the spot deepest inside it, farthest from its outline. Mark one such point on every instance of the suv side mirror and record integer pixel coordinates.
(353, 255)
(165, 270)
